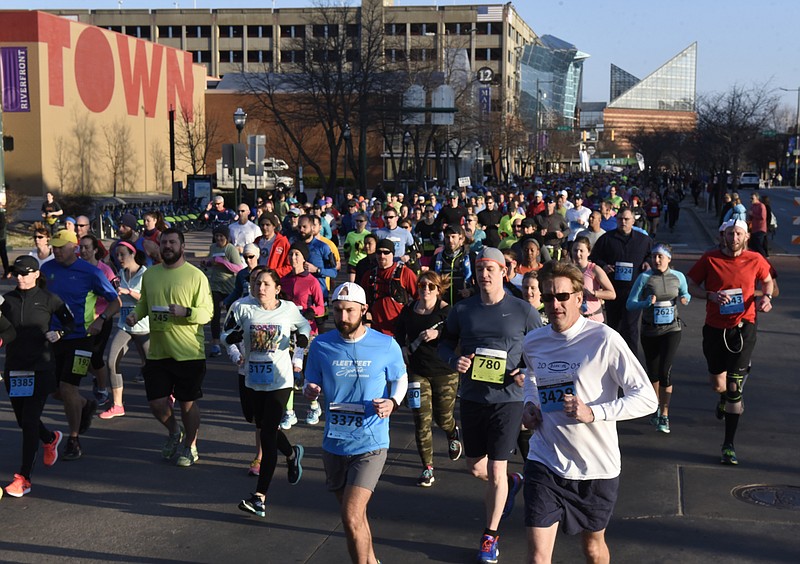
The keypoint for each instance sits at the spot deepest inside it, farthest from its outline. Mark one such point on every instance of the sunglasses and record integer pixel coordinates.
(361, 221)
(244, 211)
(249, 257)
(561, 297)
(389, 216)
(429, 286)
(385, 252)
(40, 237)
(219, 204)
(82, 224)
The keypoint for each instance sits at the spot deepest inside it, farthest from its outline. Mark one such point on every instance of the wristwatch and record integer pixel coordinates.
(188, 311)
(768, 296)
(103, 316)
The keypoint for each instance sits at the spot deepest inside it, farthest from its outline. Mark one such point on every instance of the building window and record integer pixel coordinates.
(293, 56)
(326, 55)
(395, 55)
(352, 55)
(231, 56)
(117, 28)
(169, 31)
(230, 31)
(259, 31)
(195, 31)
(394, 29)
(422, 55)
(459, 28)
(259, 56)
(325, 30)
(293, 31)
(485, 28)
(423, 28)
(353, 30)
(201, 56)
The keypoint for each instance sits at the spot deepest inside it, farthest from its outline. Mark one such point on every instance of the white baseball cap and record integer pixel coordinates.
(350, 292)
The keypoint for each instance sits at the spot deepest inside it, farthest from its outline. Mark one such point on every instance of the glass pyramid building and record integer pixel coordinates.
(671, 87)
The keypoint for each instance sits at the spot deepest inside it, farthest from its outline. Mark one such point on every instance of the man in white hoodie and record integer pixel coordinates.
(575, 367)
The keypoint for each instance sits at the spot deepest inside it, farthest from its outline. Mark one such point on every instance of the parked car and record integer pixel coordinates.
(749, 180)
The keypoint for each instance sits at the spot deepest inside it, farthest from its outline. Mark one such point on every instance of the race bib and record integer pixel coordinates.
(736, 305)
(80, 362)
(623, 271)
(21, 384)
(159, 318)
(414, 395)
(552, 389)
(663, 313)
(261, 373)
(489, 365)
(345, 420)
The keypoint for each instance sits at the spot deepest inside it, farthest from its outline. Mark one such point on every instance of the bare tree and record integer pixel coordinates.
(119, 154)
(158, 158)
(333, 81)
(196, 133)
(84, 150)
(61, 162)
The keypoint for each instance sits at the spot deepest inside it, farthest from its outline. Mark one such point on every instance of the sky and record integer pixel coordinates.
(740, 42)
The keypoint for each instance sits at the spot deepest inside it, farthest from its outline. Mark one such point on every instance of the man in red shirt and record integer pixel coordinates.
(389, 286)
(726, 278)
(757, 216)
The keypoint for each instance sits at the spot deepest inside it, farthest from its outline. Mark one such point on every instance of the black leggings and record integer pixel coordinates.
(215, 318)
(658, 354)
(268, 408)
(28, 412)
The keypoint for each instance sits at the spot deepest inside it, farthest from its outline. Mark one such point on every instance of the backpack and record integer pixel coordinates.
(396, 290)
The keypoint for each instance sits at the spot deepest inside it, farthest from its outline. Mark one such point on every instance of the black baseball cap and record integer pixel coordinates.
(25, 265)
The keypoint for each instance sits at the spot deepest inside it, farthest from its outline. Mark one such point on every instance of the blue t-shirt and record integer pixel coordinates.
(78, 285)
(354, 372)
(401, 238)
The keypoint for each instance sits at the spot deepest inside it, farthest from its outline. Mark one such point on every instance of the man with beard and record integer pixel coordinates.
(321, 262)
(177, 299)
(364, 378)
(491, 215)
(726, 278)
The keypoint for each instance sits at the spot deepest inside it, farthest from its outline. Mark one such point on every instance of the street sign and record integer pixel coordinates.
(564, 128)
(769, 133)
(485, 99)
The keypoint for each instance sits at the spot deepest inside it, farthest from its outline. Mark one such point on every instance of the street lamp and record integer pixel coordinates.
(406, 143)
(239, 119)
(346, 136)
(796, 132)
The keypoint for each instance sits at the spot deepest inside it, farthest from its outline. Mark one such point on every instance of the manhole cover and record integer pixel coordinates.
(765, 495)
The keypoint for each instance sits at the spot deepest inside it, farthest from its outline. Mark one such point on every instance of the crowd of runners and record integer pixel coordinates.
(525, 305)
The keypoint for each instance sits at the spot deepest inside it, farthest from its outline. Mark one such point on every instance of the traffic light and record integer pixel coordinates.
(8, 143)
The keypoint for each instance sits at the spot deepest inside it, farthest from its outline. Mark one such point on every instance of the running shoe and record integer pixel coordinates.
(73, 450)
(289, 419)
(139, 378)
(426, 479)
(295, 466)
(173, 441)
(113, 411)
(215, 351)
(313, 416)
(253, 505)
(663, 424)
(654, 419)
(51, 449)
(455, 448)
(86, 416)
(188, 457)
(101, 396)
(19, 487)
(255, 467)
(515, 484)
(489, 551)
(728, 455)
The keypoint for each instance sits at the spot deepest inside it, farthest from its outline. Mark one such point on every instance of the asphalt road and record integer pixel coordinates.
(122, 503)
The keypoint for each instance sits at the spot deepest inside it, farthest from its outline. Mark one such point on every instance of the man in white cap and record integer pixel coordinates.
(726, 278)
(363, 377)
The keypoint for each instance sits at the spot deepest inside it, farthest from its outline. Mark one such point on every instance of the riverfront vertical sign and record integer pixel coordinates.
(14, 75)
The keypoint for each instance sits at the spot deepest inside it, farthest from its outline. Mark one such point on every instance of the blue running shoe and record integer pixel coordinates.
(253, 505)
(489, 551)
(513, 489)
(295, 470)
